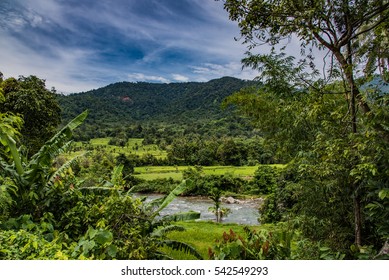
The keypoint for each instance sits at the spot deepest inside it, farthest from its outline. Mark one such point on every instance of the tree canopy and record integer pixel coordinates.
(37, 106)
(352, 32)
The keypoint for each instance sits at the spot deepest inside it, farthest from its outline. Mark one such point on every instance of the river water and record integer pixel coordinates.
(241, 213)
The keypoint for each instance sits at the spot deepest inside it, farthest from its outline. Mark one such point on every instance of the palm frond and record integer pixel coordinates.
(54, 146)
(117, 175)
(185, 185)
(183, 247)
(162, 231)
(63, 167)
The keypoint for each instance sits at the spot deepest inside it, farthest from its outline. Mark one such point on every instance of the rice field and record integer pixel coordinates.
(176, 172)
(135, 146)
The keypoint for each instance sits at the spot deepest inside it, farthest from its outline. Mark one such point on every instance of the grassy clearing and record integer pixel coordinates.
(175, 172)
(154, 176)
(202, 236)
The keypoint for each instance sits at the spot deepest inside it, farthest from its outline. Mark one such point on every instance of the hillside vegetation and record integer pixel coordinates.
(138, 102)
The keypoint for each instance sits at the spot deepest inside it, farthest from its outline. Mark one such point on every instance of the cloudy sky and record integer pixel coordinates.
(78, 45)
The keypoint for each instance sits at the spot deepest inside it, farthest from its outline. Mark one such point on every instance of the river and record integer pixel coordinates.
(245, 212)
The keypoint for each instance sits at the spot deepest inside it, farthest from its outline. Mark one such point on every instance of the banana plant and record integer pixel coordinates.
(33, 177)
(10, 126)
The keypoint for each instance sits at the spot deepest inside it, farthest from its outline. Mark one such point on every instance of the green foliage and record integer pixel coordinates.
(339, 173)
(264, 181)
(146, 110)
(215, 195)
(253, 245)
(22, 239)
(206, 184)
(197, 150)
(33, 178)
(38, 107)
(96, 244)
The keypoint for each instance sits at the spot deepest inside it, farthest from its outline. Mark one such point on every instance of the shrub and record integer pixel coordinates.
(254, 245)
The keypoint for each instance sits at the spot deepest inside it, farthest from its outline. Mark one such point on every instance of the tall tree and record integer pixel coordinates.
(336, 26)
(38, 107)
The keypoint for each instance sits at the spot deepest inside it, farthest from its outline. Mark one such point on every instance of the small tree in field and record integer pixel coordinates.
(220, 212)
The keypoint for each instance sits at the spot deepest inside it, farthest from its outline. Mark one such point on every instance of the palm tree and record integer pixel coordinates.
(220, 212)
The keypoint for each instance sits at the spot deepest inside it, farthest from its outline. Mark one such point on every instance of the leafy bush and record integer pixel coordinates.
(22, 239)
(262, 245)
(265, 180)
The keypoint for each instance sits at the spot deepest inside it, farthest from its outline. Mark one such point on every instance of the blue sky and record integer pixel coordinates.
(78, 45)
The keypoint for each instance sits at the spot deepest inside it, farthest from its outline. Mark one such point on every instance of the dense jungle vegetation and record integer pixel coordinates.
(318, 146)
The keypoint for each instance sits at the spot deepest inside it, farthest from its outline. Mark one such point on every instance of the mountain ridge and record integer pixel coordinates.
(126, 102)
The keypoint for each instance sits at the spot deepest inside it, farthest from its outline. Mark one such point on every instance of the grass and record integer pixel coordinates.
(154, 176)
(175, 172)
(201, 235)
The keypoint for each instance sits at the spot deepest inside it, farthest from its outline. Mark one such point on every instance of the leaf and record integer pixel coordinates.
(180, 246)
(66, 165)
(117, 175)
(87, 246)
(164, 230)
(383, 194)
(112, 250)
(58, 141)
(172, 195)
(92, 233)
(183, 216)
(103, 236)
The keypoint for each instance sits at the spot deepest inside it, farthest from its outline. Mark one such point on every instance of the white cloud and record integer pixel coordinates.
(233, 69)
(180, 78)
(61, 71)
(140, 77)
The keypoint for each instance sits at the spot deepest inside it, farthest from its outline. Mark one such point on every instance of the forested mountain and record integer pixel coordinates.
(179, 103)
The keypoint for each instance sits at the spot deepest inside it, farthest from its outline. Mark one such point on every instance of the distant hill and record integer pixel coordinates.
(127, 102)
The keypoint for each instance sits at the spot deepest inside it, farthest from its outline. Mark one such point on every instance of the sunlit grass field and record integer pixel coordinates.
(175, 172)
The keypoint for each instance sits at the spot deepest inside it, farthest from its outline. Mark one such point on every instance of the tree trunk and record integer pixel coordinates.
(346, 65)
(358, 219)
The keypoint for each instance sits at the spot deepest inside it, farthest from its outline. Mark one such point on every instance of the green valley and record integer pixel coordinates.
(292, 165)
